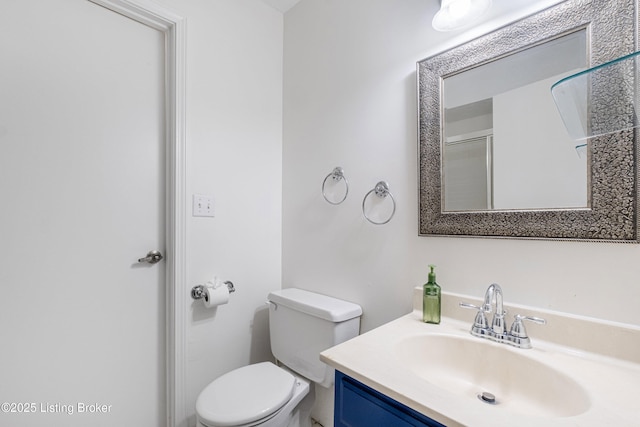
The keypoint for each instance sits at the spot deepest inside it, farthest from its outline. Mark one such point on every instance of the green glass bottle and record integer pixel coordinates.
(431, 299)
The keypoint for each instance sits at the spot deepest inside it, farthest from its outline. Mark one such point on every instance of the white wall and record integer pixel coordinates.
(234, 152)
(535, 163)
(350, 100)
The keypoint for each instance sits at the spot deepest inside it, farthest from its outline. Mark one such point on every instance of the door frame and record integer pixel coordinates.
(174, 29)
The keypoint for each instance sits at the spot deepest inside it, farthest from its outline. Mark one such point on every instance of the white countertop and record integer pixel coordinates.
(612, 385)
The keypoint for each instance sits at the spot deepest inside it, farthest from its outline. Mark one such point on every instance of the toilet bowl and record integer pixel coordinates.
(301, 325)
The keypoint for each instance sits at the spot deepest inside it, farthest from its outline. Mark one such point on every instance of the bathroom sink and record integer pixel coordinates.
(580, 371)
(469, 367)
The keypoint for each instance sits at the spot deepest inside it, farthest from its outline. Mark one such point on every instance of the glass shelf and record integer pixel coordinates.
(600, 100)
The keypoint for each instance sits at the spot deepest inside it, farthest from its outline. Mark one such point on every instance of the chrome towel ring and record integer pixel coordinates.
(337, 175)
(381, 190)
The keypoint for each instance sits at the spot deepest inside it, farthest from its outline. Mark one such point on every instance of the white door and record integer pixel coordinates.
(82, 166)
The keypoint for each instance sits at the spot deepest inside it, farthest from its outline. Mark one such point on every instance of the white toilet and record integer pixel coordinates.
(301, 324)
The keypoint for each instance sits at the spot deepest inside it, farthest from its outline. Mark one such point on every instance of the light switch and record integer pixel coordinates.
(202, 205)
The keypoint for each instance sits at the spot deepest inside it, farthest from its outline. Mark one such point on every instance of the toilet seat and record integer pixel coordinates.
(245, 395)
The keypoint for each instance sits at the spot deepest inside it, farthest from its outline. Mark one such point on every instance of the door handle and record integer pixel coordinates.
(152, 257)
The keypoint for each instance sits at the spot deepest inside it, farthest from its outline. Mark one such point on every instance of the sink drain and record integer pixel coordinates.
(487, 397)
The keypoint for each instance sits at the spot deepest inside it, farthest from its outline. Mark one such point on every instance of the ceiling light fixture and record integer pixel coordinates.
(457, 14)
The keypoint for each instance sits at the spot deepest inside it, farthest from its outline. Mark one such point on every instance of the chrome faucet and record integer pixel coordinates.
(498, 327)
(516, 337)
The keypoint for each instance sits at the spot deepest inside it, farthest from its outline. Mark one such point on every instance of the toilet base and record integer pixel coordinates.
(301, 416)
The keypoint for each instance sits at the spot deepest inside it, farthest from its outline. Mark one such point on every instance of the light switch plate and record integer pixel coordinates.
(202, 205)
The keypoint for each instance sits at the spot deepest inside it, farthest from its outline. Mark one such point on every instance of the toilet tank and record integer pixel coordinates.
(302, 324)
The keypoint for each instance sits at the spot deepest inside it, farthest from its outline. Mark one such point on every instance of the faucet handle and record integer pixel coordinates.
(480, 324)
(518, 335)
(518, 329)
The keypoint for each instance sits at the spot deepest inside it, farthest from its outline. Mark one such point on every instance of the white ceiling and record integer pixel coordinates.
(501, 9)
(282, 5)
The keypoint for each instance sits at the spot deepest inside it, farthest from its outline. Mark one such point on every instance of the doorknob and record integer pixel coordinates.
(152, 257)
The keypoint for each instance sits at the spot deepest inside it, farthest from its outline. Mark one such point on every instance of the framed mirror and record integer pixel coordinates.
(495, 158)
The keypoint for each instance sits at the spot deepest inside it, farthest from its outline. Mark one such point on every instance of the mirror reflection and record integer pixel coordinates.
(504, 146)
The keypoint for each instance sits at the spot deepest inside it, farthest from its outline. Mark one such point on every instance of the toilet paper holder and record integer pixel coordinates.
(197, 292)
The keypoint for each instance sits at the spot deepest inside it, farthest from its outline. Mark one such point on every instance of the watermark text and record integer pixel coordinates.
(55, 408)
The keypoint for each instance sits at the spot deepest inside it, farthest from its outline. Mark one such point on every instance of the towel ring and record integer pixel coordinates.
(381, 190)
(338, 175)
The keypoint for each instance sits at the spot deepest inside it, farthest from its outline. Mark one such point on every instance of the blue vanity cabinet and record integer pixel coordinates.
(357, 405)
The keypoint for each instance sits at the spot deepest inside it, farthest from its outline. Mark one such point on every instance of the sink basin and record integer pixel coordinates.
(469, 366)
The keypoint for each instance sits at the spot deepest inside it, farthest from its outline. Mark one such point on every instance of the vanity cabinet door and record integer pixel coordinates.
(357, 405)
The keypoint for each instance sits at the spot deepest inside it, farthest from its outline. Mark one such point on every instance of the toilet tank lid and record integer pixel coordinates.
(322, 306)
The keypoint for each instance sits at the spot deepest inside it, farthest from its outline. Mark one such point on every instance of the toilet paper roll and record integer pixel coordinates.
(215, 295)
